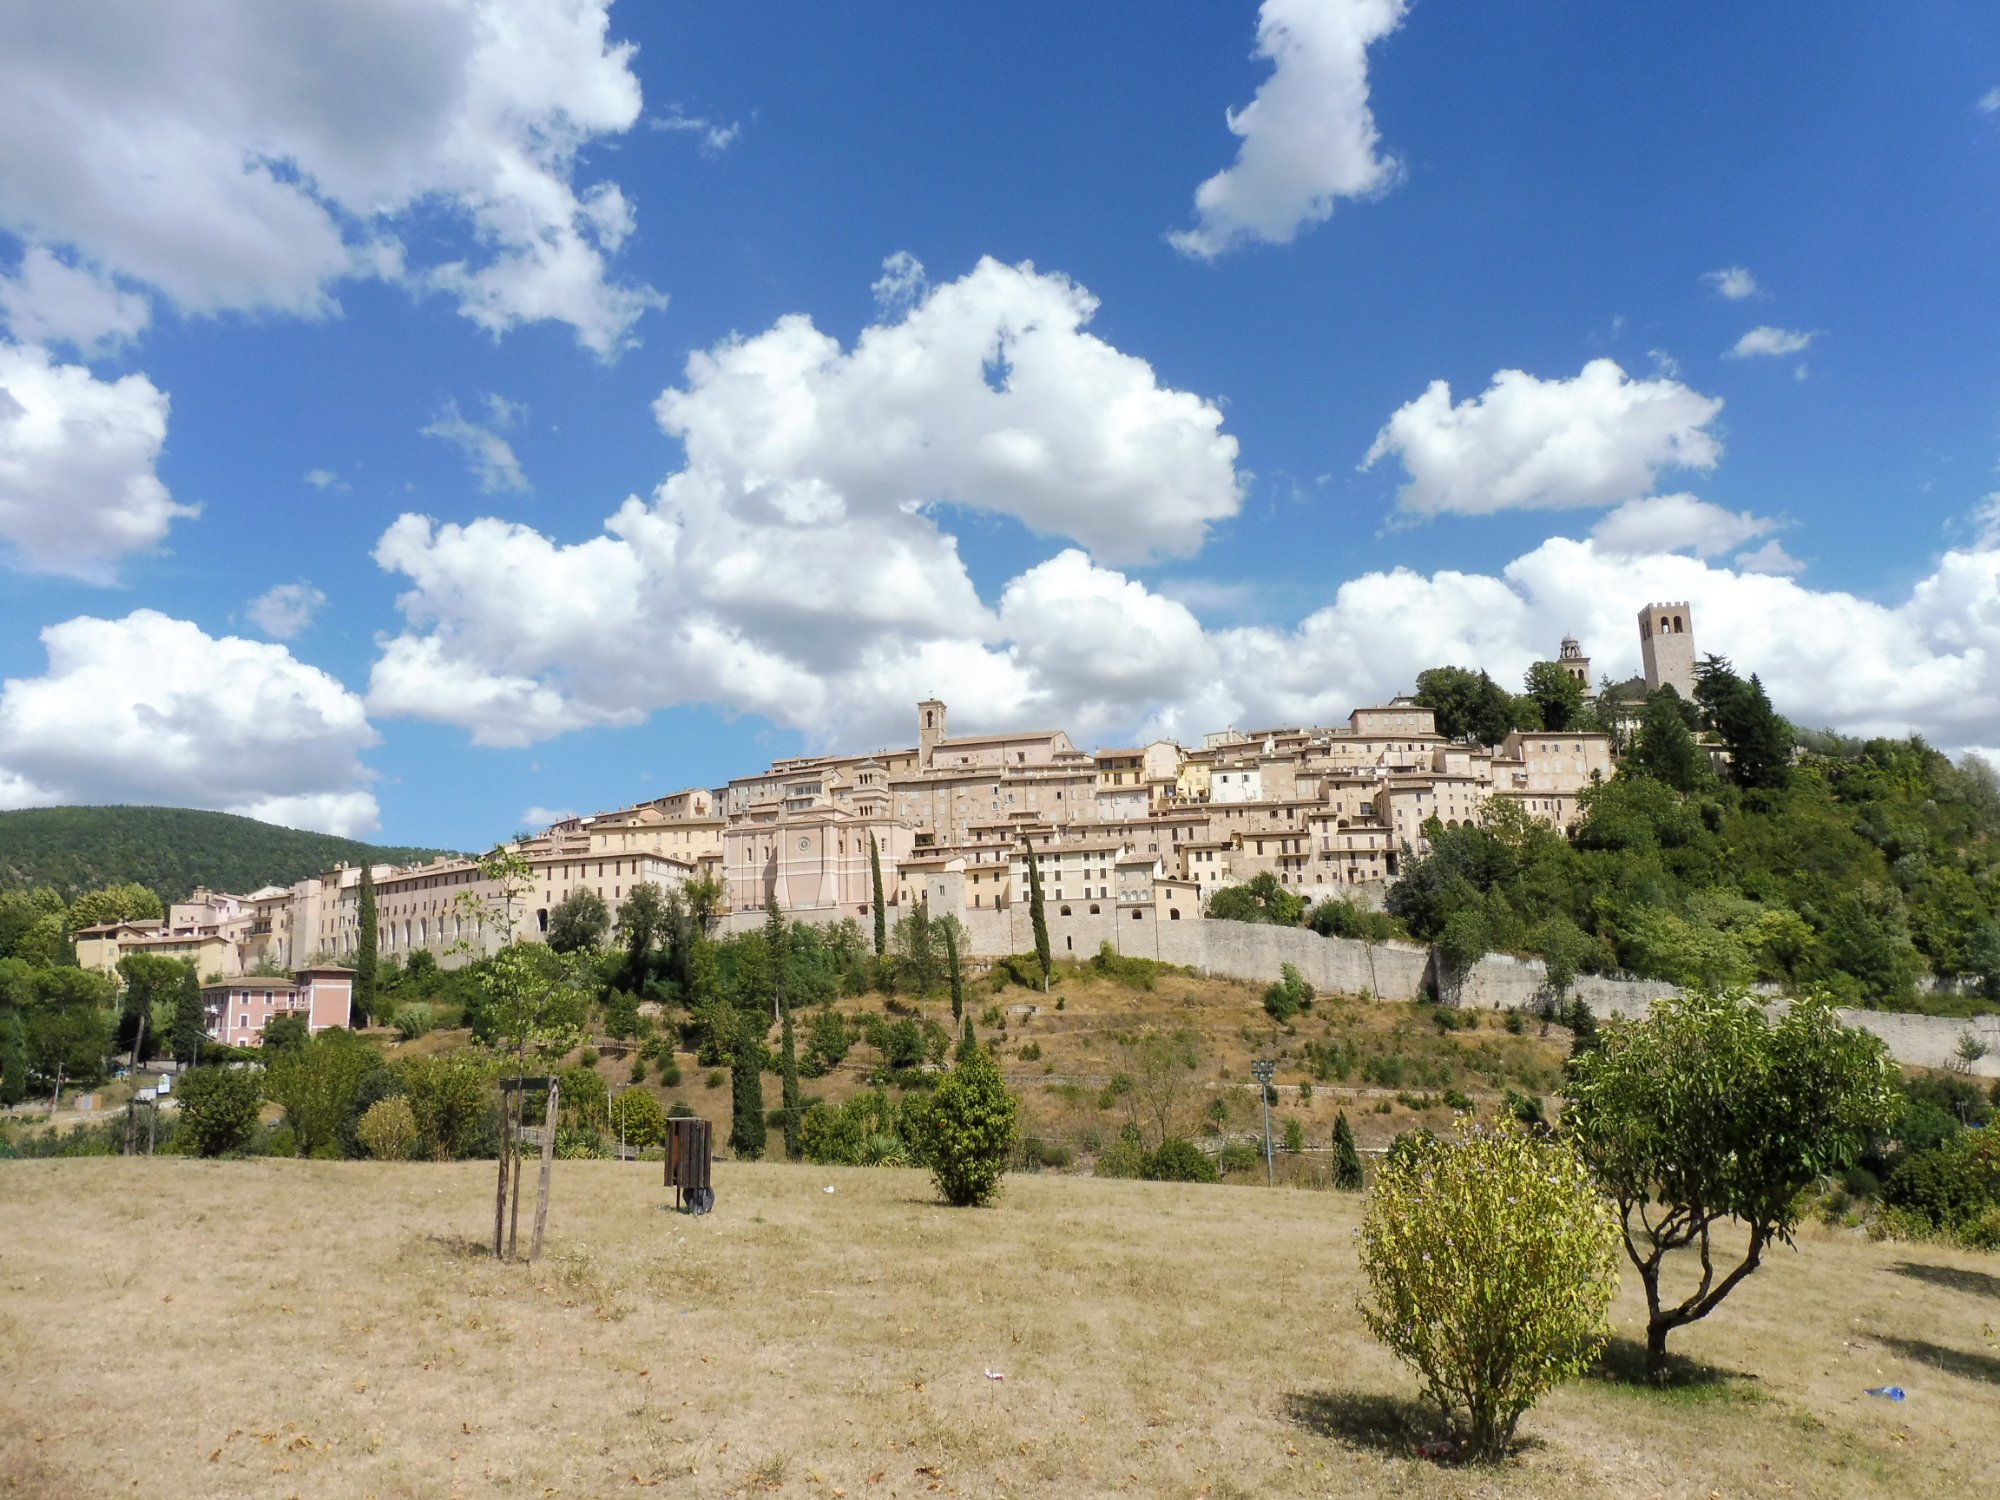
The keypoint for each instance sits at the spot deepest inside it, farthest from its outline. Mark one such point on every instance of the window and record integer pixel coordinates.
(1065, 910)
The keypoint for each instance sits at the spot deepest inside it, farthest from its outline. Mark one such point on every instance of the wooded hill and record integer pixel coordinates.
(170, 850)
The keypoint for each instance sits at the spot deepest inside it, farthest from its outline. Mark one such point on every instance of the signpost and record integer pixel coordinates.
(1262, 1072)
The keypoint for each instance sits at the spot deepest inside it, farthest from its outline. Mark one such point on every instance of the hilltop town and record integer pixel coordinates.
(1128, 837)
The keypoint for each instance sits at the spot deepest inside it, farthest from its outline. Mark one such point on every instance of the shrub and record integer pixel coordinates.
(583, 1098)
(451, 1101)
(679, 1110)
(715, 1079)
(218, 1109)
(1491, 1264)
(636, 1117)
(670, 1072)
(1181, 1161)
(1295, 1135)
(1035, 1154)
(1029, 1052)
(280, 1142)
(1346, 1158)
(1455, 1099)
(388, 1130)
(638, 1070)
(588, 1057)
(969, 1130)
(1123, 1157)
(1239, 1158)
(1948, 1185)
(413, 1021)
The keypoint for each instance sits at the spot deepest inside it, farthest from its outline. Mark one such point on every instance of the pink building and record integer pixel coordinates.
(238, 1009)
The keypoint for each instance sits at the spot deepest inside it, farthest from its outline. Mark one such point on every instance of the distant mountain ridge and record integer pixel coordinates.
(170, 850)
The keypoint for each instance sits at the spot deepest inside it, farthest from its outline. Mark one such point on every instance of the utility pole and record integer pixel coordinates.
(1262, 1071)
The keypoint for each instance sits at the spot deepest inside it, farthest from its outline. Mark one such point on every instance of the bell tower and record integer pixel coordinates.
(930, 730)
(1666, 646)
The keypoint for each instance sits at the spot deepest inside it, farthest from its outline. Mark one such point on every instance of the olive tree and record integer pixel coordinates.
(1704, 1112)
(1491, 1260)
(969, 1130)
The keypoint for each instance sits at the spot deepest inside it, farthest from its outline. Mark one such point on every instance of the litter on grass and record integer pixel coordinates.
(995, 1375)
(1887, 1392)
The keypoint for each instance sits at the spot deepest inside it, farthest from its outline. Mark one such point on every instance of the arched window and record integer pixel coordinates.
(1173, 913)
(1678, 627)
(1093, 908)
(1065, 911)
(1136, 915)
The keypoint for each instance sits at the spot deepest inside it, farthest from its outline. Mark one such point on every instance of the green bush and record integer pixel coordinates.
(1035, 1154)
(279, 1142)
(670, 1073)
(1181, 1161)
(680, 1110)
(452, 1100)
(1125, 1156)
(1029, 1052)
(218, 1109)
(1455, 1099)
(969, 1130)
(588, 1057)
(388, 1129)
(715, 1078)
(1491, 1261)
(1295, 1135)
(413, 1021)
(1240, 1158)
(636, 1117)
(638, 1070)
(1949, 1185)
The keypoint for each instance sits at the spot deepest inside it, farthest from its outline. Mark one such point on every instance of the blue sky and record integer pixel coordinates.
(417, 417)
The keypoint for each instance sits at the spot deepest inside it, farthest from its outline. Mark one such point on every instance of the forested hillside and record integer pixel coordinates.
(170, 850)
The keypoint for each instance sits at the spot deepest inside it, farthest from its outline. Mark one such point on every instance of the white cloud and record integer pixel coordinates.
(1309, 137)
(284, 610)
(1676, 523)
(1769, 558)
(1527, 443)
(796, 564)
(49, 301)
(713, 135)
(1769, 341)
(149, 709)
(1989, 102)
(901, 284)
(324, 479)
(488, 455)
(1734, 282)
(542, 817)
(78, 490)
(246, 156)
(1664, 363)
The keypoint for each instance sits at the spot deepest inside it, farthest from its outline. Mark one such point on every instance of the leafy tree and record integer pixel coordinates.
(1704, 1112)
(1038, 915)
(1346, 1158)
(637, 1119)
(129, 902)
(970, 1130)
(1491, 1262)
(318, 1084)
(1177, 1160)
(1290, 995)
(914, 951)
(67, 1041)
(1466, 939)
(13, 1060)
(388, 1129)
(827, 1042)
(880, 907)
(1558, 697)
(450, 1097)
(1262, 898)
(21, 910)
(218, 1109)
(1469, 705)
(533, 999)
(1565, 948)
(643, 920)
(365, 945)
(286, 1033)
(1665, 750)
(151, 982)
(579, 922)
(1164, 1097)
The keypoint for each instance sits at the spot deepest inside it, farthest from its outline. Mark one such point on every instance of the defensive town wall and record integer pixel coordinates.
(1398, 971)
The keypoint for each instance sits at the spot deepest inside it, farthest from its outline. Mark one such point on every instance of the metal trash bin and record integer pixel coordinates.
(689, 1146)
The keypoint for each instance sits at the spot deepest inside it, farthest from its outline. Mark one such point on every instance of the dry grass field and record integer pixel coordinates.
(273, 1328)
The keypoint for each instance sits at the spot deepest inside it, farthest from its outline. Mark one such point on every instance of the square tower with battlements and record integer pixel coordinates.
(1666, 646)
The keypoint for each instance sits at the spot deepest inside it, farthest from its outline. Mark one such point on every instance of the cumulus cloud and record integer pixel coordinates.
(1527, 443)
(324, 479)
(542, 817)
(1675, 523)
(1770, 558)
(285, 610)
(901, 284)
(245, 156)
(1768, 341)
(1734, 282)
(488, 455)
(1309, 137)
(49, 301)
(150, 709)
(796, 563)
(78, 490)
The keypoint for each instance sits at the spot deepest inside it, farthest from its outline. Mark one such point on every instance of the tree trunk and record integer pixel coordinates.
(548, 1155)
(1656, 1351)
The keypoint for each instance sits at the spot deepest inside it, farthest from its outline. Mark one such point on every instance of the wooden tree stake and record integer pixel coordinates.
(548, 1155)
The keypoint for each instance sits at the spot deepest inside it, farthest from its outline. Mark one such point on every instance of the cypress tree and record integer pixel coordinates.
(1038, 915)
(364, 950)
(190, 1024)
(881, 912)
(746, 1076)
(777, 941)
(967, 1043)
(1346, 1160)
(957, 975)
(789, 1072)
